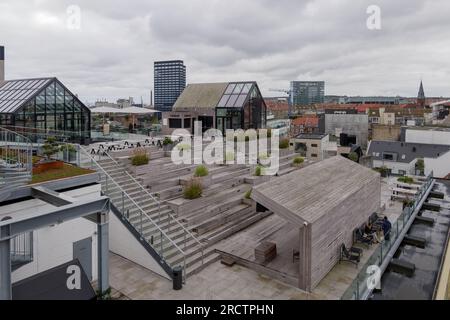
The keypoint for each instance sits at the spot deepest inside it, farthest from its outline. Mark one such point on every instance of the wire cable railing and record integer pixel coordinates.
(360, 288)
(187, 233)
(109, 183)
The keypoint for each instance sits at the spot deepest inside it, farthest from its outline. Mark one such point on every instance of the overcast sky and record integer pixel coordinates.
(272, 42)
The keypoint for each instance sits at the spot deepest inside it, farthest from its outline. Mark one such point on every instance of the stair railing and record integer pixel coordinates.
(187, 233)
(93, 164)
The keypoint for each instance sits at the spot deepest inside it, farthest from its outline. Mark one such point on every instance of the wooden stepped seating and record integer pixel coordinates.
(212, 210)
(183, 206)
(222, 218)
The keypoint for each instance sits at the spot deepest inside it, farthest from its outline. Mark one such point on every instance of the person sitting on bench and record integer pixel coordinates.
(371, 233)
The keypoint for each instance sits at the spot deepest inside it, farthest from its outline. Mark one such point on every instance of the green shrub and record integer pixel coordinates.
(353, 156)
(140, 157)
(201, 171)
(248, 194)
(284, 143)
(408, 180)
(298, 161)
(193, 189)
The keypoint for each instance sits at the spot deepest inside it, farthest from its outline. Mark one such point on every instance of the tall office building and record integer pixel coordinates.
(307, 92)
(169, 82)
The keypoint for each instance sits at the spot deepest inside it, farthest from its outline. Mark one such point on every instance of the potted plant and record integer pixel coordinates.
(167, 144)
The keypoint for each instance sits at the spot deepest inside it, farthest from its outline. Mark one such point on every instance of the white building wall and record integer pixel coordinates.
(440, 166)
(428, 136)
(53, 245)
(123, 243)
(396, 167)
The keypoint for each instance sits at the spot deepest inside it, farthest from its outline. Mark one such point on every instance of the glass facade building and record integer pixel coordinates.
(44, 106)
(241, 107)
(307, 92)
(169, 82)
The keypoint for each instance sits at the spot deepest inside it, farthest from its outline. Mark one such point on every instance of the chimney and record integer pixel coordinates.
(2, 63)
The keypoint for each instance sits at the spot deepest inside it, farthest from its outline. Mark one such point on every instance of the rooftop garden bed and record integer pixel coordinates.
(65, 171)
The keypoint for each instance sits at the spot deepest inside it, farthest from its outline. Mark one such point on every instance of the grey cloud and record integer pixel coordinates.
(269, 41)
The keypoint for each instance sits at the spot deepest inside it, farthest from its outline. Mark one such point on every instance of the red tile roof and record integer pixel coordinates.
(306, 121)
(277, 106)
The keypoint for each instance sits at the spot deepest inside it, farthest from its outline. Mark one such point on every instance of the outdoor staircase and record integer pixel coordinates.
(184, 237)
(151, 221)
(15, 162)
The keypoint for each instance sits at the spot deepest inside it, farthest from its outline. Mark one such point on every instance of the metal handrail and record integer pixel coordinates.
(139, 207)
(406, 213)
(159, 205)
(22, 150)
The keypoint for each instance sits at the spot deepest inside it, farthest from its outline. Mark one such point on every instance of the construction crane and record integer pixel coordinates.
(288, 92)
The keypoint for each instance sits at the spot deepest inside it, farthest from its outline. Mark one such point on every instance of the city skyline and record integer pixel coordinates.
(112, 54)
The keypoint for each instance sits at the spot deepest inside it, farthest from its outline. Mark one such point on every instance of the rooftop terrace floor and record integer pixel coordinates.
(218, 281)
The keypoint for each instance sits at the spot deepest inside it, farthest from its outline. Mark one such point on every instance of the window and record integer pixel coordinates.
(388, 156)
(314, 145)
(175, 123)
(314, 155)
(187, 122)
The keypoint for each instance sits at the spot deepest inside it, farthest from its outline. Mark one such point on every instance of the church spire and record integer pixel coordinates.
(421, 96)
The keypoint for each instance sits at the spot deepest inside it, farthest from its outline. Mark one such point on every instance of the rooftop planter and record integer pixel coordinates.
(167, 144)
(193, 189)
(140, 157)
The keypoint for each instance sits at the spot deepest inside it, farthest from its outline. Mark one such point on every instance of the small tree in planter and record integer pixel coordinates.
(248, 194)
(50, 148)
(193, 189)
(140, 157)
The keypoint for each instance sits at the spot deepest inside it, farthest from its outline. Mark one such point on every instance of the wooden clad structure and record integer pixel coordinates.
(327, 201)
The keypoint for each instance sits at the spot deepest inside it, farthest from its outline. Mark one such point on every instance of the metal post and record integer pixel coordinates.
(381, 256)
(161, 240)
(357, 287)
(123, 203)
(5, 270)
(103, 252)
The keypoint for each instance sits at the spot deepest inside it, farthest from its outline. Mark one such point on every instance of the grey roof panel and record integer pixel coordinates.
(406, 152)
(14, 93)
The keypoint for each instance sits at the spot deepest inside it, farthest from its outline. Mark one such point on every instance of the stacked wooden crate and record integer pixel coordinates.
(266, 251)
